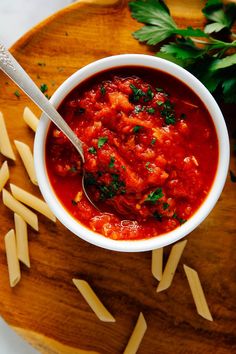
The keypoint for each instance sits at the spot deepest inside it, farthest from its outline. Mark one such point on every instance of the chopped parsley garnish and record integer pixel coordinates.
(137, 93)
(159, 89)
(123, 167)
(150, 110)
(102, 141)
(149, 95)
(232, 176)
(138, 109)
(183, 116)
(136, 128)
(154, 196)
(92, 150)
(90, 179)
(73, 202)
(180, 220)
(167, 112)
(112, 162)
(165, 206)
(44, 88)
(159, 103)
(115, 187)
(79, 110)
(103, 90)
(17, 93)
(73, 169)
(153, 141)
(157, 216)
(147, 166)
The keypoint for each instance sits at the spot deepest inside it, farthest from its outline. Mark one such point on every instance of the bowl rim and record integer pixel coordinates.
(220, 177)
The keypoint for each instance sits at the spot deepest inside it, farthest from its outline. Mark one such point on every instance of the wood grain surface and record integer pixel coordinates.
(45, 307)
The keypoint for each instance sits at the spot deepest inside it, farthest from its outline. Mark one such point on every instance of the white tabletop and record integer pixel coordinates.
(16, 18)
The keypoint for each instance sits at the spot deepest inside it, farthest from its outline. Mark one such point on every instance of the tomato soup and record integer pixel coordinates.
(150, 147)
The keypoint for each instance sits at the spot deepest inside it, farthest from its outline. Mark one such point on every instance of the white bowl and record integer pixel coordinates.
(155, 242)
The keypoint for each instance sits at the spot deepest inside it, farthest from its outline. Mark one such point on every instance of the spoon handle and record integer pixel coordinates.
(13, 69)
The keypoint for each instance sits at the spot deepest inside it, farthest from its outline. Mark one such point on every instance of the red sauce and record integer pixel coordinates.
(150, 147)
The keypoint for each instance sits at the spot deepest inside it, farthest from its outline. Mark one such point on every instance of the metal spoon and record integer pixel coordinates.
(13, 69)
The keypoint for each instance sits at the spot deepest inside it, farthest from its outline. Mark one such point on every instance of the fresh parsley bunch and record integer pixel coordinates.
(212, 58)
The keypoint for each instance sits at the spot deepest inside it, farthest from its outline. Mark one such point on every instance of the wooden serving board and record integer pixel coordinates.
(45, 307)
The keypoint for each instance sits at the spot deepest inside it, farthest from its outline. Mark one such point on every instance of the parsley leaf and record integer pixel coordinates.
(154, 196)
(102, 141)
(43, 88)
(136, 128)
(212, 62)
(92, 150)
(112, 162)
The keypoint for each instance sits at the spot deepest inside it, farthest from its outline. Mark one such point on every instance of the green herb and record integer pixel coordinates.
(103, 90)
(157, 216)
(154, 196)
(112, 162)
(80, 110)
(159, 103)
(214, 62)
(73, 202)
(159, 89)
(183, 116)
(123, 167)
(174, 216)
(150, 110)
(137, 93)
(136, 128)
(47, 96)
(92, 150)
(44, 88)
(17, 93)
(147, 166)
(153, 141)
(149, 95)
(182, 221)
(90, 179)
(168, 113)
(73, 169)
(138, 109)
(232, 176)
(115, 187)
(102, 141)
(165, 206)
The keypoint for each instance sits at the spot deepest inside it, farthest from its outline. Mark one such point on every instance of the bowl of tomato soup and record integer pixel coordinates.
(156, 153)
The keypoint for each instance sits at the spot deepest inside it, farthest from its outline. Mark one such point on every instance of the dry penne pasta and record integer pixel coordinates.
(12, 259)
(137, 336)
(17, 207)
(4, 175)
(32, 201)
(22, 240)
(5, 145)
(28, 160)
(30, 119)
(197, 292)
(171, 265)
(93, 301)
(157, 262)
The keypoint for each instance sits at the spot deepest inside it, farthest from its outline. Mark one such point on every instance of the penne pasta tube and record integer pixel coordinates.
(32, 201)
(5, 144)
(22, 240)
(157, 262)
(30, 119)
(4, 175)
(28, 160)
(17, 207)
(137, 336)
(197, 292)
(93, 301)
(12, 259)
(171, 265)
